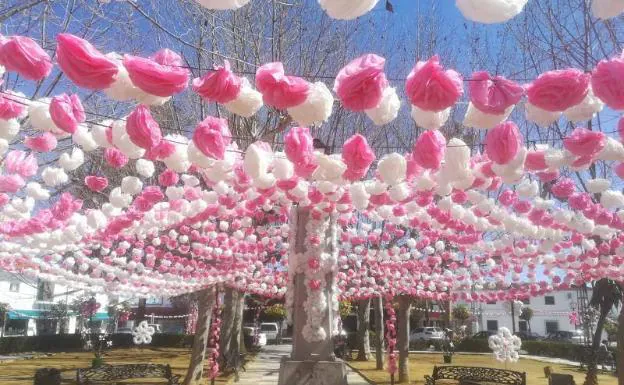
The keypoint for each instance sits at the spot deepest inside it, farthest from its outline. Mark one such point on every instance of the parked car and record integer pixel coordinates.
(253, 337)
(124, 331)
(485, 334)
(427, 334)
(574, 337)
(271, 330)
(529, 336)
(156, 327)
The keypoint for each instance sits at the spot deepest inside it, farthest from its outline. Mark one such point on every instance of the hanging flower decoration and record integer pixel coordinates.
(505, 345)
(142, 334)
(574, 318)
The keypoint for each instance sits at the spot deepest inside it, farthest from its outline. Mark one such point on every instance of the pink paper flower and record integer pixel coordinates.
(558, 90)
(42, 143)
(503, 142)
(608, 82)
(9, 108)
(535, 161)
(579, 201)
(115, 158)
(584, 143)
(299, 149)
(429, 149)
(142, 129)
(11, 183)
(65, 207)
(358, 156)
(17, 162)
(278, 90)
(67, 112)
(163, 150)
(619, 170)
(413, 168)
(431, 88)
(493, 95)
(563, 188)
(22, 55)
(83, 64)
(96, 183)
(360, 84)
(212, 136)
(508, 198)
(220, 85)
(162, 76)
(168, 178)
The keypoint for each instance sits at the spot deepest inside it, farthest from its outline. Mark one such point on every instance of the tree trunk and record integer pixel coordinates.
(227, 326)
(403, 338)
(620, 347)
(592, 365)
(140, 314)
(237, 327)
(206, 299)
(379, 333)
(363, 325)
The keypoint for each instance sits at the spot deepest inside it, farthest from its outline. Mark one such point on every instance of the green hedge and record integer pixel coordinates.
(563, 350)
(73, 342)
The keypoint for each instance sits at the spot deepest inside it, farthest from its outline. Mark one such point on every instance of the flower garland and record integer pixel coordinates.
(391, 339)
(213, 342)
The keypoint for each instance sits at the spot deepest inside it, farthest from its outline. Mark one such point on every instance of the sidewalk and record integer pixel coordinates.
(264, 369)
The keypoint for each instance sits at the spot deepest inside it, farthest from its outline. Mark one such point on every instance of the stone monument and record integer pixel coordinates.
(311, 362)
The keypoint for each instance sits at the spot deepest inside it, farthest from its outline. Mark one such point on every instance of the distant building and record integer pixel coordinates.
(551, 313)
(30, 304)
(160, 311)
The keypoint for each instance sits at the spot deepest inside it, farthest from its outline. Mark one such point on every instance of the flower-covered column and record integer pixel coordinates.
(312, 300)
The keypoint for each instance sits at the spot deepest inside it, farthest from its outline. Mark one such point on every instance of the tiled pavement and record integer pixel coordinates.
(264, 369)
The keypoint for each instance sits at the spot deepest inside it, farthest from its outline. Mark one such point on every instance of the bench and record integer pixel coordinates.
(110, 373)
(560, 379)
(471, 374)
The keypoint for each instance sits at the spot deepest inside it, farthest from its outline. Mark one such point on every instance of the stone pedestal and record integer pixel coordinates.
(312, 372)
(311, 363)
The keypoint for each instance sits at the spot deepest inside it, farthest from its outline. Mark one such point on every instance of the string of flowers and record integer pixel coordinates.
(213, 342)
(391, 339)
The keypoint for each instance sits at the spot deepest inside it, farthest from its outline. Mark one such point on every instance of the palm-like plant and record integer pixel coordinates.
(606, 295)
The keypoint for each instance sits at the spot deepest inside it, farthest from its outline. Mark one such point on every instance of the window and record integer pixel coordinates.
(14, 287)
(552, 326)
(526, 301)
(569, 295)
(522, 325)
(491, 302)
(549, 300)
(492, 325)
(45, 291)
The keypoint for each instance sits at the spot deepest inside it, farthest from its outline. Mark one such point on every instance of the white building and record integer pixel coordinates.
(30, 302)
(551, 313)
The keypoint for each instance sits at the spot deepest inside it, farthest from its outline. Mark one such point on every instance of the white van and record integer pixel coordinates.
(271, 330)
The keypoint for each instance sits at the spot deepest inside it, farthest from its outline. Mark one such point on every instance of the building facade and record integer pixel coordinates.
(32, 305)
(551, 313)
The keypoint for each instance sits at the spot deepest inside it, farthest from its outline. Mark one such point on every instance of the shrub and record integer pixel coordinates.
(73, 342)
(473, 345)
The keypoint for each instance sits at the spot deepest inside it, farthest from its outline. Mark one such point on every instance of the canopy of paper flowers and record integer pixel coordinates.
(438, 222)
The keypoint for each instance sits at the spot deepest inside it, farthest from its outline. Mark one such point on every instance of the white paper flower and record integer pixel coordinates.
(586, 110)
(35, 191)
(430, 120)
(9, 128)
(85, 139)
(505, 345)
(145, 168)
(476, 118)
(131, 185)
(73, 161)
(392, 168)
(223, 4)
(258, 158)
(143, 333)
(178, 161)
(539, 116)
(388, 108)
(490, 11)
(247, 103)
(598, 185)
(53, 176)
(317, 107)
(347, 9)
